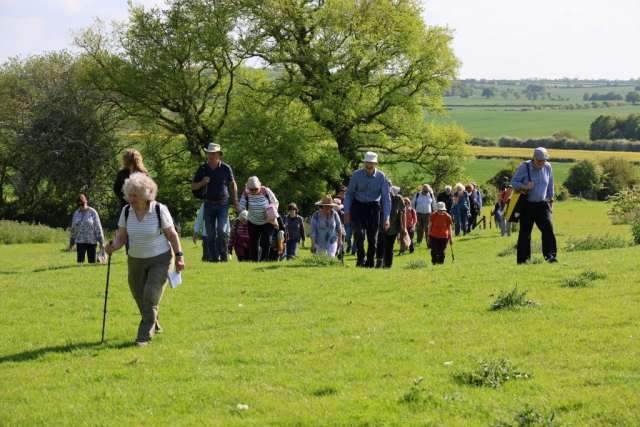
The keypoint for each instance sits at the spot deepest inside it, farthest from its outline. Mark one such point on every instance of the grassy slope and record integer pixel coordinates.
(323, 345)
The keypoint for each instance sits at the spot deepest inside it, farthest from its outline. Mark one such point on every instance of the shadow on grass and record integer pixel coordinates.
(69, 348)
(64, 267)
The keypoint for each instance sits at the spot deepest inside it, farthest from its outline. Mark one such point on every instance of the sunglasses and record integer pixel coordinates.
(253, 189)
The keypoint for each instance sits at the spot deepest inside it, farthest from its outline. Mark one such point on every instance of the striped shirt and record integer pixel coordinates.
(146, 238)
(257, 204)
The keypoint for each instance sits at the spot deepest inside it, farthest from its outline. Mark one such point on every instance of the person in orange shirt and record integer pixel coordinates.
(439, 233)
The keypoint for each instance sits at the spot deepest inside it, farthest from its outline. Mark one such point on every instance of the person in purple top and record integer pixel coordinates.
(367, 194)
(536, 177)
(214, 179)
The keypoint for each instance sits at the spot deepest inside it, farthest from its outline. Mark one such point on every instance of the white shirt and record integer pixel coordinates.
(423, 204)
(146, 238)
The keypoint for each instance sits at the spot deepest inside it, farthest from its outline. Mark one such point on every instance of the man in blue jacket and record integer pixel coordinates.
(367, 194)
(536, 177)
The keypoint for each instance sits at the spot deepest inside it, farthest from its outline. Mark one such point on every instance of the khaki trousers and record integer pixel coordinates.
(147, 281)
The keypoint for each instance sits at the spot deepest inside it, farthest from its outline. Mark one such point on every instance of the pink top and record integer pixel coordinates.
(412, 218)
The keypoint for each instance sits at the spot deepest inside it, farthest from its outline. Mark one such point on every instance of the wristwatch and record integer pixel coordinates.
(179, 253)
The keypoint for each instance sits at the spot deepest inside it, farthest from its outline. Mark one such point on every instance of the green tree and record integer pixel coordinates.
(488, 92)
(604, 127)
(618, 174)
(173, 67)
(633, 97)
(585, 176)
(368, 86)
(66, 143)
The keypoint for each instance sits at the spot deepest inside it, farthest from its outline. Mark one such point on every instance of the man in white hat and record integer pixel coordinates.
(536, 177)
(367, 194)
(213, 179)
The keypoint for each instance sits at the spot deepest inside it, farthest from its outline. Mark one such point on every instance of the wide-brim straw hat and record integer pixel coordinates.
(213, 148)
(326, 201)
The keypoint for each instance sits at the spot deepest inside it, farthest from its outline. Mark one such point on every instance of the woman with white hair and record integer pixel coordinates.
(257, 199)
(239, 237)
(149, 228)
(460, 209)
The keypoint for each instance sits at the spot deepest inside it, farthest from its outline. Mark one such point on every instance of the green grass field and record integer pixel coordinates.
(327, 345)
(494, 122)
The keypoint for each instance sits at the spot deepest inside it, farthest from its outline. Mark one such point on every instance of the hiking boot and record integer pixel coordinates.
(378, 263)
(552, 259)
(159, 329)
(143, 343)
(400, 253)
(223, 258)
(348, 248)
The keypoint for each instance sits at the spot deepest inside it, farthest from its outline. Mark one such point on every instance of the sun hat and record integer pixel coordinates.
(338, 204)
(370, 156)
(326, 201)
(541, 154)
(441, 206)
(214, 148)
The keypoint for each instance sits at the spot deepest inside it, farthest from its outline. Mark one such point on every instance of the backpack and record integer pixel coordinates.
(201, 192)
(513, 208)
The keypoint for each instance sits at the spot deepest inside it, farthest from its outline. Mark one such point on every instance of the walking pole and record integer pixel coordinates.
(453, 257)
(106, 294)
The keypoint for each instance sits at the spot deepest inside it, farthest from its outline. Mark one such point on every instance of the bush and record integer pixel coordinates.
(594, 243)
(617, 175)
(14, 232)
(417, 264)
(561, 192)
(507, 171)
(512, 299)
(585, 176)
(635, 228)
(482, 142)
(624, 204)
(583, 279)
(492, 373)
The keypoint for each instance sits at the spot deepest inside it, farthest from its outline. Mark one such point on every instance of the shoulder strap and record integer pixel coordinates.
(528, 171)
(126, 213)
(158, 215)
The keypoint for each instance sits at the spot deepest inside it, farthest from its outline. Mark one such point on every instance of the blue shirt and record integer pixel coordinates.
(219, 179)
(367, 189)
(542, 181)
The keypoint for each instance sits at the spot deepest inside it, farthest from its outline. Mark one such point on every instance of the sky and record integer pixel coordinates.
(494, 39)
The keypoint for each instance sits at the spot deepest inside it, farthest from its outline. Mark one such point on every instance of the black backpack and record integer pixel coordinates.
(201, 192)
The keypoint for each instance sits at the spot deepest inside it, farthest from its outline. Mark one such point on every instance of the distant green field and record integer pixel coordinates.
(570, 96)
(496, 122)
(481, 170)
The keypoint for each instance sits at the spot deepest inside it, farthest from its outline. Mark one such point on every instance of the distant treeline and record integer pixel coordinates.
(570, 144)
(611, 96)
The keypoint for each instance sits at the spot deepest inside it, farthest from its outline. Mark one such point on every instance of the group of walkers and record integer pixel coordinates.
(370, 209)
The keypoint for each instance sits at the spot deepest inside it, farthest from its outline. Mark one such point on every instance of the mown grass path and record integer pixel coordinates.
(304, 345)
